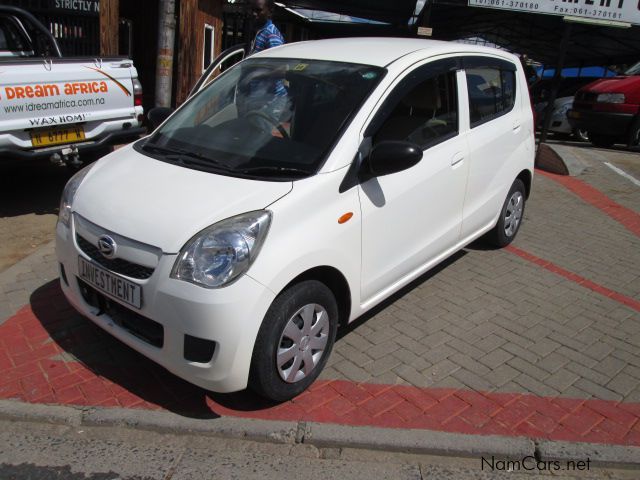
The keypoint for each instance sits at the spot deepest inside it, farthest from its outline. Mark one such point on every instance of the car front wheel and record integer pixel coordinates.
(295, 340)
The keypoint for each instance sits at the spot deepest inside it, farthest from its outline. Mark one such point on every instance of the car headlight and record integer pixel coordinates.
(219, 254)
(610, 98)
(68, 194)
(562, 110)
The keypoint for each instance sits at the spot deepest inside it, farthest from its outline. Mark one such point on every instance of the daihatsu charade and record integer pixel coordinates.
(289, 196)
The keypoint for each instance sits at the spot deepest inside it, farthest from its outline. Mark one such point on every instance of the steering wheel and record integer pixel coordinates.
(426, 132)
(272, 121)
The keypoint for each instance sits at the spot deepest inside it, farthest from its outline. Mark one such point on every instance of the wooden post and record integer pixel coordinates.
(109, 27)
(187, 49)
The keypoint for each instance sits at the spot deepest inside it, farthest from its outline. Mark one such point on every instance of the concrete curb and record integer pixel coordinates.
(600, 454)
(425, 442)
(573, 164)
(417, 441)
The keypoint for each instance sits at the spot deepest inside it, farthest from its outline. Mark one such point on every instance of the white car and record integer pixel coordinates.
(559, 120)
(289, 196)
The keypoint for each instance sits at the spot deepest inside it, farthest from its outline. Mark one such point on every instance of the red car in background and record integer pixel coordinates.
(609, 109)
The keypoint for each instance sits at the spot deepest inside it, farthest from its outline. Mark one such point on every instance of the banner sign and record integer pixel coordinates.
(78, 6)
(627, 11)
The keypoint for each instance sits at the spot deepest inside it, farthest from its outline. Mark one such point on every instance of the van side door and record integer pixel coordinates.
(413, 217)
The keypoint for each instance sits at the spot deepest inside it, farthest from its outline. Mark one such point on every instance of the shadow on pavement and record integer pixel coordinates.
(106, 357)
(34, 187)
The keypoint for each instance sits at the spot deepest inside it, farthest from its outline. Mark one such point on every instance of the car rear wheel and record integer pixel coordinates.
(510, 216)
(634, 133)
(602, 141)
(295, 340)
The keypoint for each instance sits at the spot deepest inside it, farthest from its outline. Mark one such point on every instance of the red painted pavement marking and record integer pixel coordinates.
(623, 215)
(586, 283)
(34, 369)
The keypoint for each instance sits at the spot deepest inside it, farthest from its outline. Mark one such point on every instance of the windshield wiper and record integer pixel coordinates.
(164, 150)
(275, 170)
(185, 157)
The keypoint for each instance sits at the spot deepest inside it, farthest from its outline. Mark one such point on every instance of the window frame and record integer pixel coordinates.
(209, 33)
(477, 62)
(19, 31)
(406, 84)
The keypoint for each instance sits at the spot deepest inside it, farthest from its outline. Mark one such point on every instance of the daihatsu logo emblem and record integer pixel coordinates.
(107, 246)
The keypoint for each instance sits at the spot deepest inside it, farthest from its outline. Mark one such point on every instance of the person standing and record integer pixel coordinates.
(270, 92)
(268, 35)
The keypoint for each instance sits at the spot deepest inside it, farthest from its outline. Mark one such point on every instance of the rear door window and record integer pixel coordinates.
(492, 92)
(10, 38)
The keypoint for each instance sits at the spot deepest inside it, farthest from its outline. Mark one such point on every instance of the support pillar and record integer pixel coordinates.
(166, 41)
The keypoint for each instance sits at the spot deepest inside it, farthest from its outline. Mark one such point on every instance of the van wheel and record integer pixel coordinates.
(510, 216)
(294, 341)
(601, 141)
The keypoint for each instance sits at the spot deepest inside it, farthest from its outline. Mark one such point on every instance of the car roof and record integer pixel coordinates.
(378, 51)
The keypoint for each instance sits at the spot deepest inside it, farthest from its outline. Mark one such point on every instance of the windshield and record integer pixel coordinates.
(266, 118)
(635, 70)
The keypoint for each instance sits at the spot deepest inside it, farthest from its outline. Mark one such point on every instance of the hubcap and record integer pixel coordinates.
(513, 214)
(302, 343)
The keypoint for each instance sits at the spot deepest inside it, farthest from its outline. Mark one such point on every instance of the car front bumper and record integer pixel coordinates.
(602, 123)
(229, 316)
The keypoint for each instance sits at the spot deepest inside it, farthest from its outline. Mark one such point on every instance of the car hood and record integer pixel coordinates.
(164, 205)
(614, 85)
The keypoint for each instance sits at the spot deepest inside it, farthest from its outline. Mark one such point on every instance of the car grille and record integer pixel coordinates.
(586, 97)
(117, 265)
(144, 328)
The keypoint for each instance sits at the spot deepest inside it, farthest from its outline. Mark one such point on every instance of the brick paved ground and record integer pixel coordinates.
(495, 341)
(494, 321)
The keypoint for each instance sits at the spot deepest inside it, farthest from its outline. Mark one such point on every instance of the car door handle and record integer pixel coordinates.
(516, 125)
(457, 158)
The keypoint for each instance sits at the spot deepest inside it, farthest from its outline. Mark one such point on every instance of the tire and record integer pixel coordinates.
(601, 141)
(284, 328)
(505, 231)
(580, 135)
(634, 133)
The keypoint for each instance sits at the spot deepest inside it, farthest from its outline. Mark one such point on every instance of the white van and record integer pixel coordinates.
(292, 194)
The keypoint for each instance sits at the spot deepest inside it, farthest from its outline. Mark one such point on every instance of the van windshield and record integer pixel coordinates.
(266, 118)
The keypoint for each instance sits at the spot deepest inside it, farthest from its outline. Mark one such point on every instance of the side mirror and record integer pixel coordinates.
(157, 115)
(391, 157)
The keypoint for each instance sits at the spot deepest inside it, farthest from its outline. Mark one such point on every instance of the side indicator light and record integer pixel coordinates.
(345, 218)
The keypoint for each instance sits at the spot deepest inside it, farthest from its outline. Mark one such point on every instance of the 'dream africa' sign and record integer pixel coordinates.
(626, 11)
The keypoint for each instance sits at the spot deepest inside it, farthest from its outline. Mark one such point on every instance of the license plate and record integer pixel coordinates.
(109, 283)
(56, 136)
